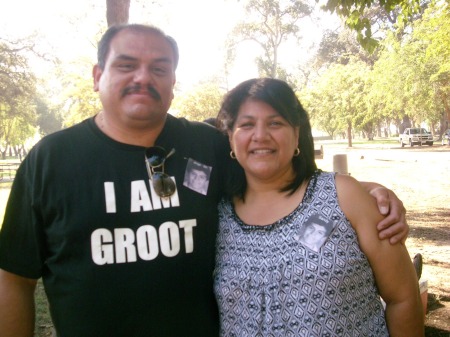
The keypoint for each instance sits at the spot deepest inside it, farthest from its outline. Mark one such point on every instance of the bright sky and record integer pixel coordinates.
(199, 26)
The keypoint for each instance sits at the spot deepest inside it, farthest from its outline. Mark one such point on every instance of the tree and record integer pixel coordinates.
(337, 99)
(319, 103)
(78, 97)
(16, 79)
(270, 23)
(17, 125)
(356, 15)
(410, 81)
(200, 103)
(385, 81)
(48, 119)
(117, 12)
(434, 32)
(340, 47)
(321, 99)
(17, 93)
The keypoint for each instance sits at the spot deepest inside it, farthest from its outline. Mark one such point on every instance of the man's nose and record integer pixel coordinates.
(143, 75)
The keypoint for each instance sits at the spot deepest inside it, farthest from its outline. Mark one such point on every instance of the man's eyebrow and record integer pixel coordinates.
(167, 60)
(125, 57)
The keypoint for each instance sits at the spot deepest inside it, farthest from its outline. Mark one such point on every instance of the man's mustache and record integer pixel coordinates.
(138, 88)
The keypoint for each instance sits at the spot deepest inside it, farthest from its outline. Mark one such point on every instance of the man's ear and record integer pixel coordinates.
(96, 74)
(173, 87)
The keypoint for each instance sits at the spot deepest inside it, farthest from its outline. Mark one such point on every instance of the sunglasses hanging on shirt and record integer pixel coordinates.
(155, 158)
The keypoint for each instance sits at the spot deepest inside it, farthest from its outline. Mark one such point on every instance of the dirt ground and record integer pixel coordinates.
(420, 176)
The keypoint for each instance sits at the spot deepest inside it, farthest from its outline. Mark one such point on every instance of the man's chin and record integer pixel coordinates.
(140, 114)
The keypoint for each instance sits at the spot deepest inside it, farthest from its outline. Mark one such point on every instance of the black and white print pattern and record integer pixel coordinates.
(268, 284)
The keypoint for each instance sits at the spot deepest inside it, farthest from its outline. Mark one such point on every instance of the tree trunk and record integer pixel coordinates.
(117, 12)
(349, 134)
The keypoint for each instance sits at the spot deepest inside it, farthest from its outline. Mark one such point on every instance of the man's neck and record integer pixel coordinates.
(139, 135)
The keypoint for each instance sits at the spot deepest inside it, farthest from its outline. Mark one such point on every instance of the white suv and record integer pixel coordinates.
(413, 136)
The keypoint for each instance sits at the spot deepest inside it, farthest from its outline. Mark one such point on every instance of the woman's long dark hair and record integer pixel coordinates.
(279, 95)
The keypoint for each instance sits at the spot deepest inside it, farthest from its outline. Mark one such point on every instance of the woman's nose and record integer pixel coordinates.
(260, 132)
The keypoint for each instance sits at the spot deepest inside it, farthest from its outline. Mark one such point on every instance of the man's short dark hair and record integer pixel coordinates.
(105, 42)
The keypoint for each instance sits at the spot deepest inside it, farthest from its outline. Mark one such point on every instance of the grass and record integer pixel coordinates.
(43, 323)
(359, 141)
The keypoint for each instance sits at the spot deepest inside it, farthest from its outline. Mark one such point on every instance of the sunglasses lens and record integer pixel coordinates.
(155, 156)
(163, 184)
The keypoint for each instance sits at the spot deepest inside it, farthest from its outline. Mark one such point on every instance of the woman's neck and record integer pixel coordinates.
(265, 204)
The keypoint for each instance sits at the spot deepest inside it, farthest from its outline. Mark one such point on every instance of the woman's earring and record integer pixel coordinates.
(232, 155)
(296, 152)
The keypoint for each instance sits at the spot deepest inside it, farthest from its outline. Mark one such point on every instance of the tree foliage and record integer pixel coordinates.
(336, 99)
(407, 77)
(78, 99)
(200, 103)
(339, 47)
(411, 78)
(434, 32)
(49, 120)
(408, 80)
(17, 93)
(359, 17)
(16, 80)
(270, 23)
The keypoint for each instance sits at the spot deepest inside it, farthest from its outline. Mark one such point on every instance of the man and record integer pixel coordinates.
(120, 252)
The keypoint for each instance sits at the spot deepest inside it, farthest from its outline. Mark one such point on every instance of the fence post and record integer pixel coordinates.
(340, 163)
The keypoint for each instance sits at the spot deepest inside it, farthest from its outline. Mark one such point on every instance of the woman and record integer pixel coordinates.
(269, 283)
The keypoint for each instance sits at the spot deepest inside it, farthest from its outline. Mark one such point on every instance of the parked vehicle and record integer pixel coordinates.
(416, 136)
(445, 139)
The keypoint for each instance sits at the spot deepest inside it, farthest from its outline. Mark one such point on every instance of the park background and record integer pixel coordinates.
(364, 74)
(374, 79)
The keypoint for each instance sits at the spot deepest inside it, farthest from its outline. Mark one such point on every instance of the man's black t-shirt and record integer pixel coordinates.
(116, 259)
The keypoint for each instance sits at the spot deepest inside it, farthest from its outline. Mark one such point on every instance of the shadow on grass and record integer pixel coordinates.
(437, 231)
(435, 332)
(436, 323)
(43, 324)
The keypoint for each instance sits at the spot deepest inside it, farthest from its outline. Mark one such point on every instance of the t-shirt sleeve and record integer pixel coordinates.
(19, 236)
